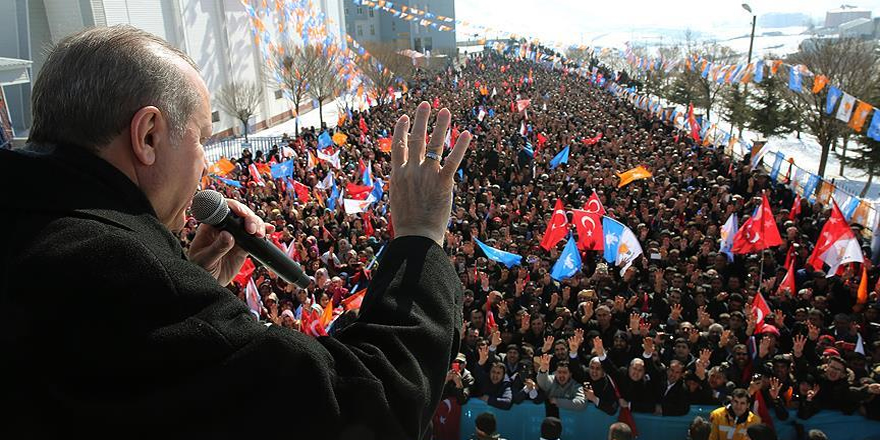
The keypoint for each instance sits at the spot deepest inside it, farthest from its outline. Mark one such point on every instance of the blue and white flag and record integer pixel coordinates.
(560, 158)
(874, 128)
(728, 231)
(324, 140)
(282, 170)
(569, 262)
(506, 258)
(621, 245)
(759, 71)
(794, 78)
(777, 163)
(834, 95)
(334, 196)
(377, 192)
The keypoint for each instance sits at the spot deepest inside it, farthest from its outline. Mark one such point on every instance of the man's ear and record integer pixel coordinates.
(147, 128)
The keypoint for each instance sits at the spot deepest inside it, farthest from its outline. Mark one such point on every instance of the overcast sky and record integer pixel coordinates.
(571, 20)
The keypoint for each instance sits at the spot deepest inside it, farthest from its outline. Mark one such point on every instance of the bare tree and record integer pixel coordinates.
(240, 100)
(848, 63)
(293, 67)
(327, 81)
(384, 69)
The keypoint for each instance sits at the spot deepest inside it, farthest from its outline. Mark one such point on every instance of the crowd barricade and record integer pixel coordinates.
(231, 148)
(523, 422)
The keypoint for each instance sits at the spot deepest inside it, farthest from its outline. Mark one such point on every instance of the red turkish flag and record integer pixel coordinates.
(247, 269)
(447, 420)
(589, 229)
(558, 227)
(541, 140)
(357, 192)
(362, 124)
(759, 232)
(760, 309)
(837, 245)
(795, 208)
(368, 224)
(354, 301)
(787, 282)
(302, 191)
(311, 322)
(594, 205)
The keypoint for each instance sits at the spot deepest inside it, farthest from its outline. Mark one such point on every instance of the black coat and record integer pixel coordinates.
(109, 329)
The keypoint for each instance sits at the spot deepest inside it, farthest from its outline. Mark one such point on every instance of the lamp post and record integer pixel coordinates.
(745, 96)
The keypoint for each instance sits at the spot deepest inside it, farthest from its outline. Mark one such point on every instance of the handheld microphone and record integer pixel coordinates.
(210, 207)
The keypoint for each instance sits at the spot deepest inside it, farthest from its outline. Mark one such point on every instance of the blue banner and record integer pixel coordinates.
(777, 163)
(810, 187)
(506, 258)
(523, 422)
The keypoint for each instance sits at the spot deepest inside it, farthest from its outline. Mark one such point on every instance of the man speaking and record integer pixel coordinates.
(110, 328)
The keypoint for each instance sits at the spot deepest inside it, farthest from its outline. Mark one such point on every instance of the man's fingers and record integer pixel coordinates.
(252, 223)
(438, 136)
(398, 142)
(453, 160)
(416, 141)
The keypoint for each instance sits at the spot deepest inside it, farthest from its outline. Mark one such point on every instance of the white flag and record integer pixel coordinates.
(847, 105)
(353, 206)
(332, 159)
(327, 183)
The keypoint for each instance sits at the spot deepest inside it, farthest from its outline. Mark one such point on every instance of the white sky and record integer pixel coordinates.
(578, 21)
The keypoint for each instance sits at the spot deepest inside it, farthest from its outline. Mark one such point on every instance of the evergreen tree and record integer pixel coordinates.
(734, 107)
(769, 114)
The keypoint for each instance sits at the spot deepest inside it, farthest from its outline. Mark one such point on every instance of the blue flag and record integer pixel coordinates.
(612, 230)
(334, 196)
(794, 79)
(282, 170)
(834, 95)
(506, 258)
(849, 208)
(810, 187)
(569, 262)
(367, 176)
(705, 72)
(560, 158)
(874, 128)
(460, 174)
(324, 140)
(777, 163)
(759, 71)
(229, 182)
(377, 192)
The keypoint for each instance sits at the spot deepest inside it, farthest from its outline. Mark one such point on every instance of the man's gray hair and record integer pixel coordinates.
(93, 82)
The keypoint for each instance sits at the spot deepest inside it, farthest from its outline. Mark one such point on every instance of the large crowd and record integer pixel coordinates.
(673, 330)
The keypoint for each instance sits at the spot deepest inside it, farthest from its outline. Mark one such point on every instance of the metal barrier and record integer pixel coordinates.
(231, 148)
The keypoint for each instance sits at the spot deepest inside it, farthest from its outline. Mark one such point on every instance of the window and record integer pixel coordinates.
(417, 44)
(371, 13)
(360, 31)
(429, 44)
(347, 11)
(372, 29)
(393, 25)
(215, 117)
(360, 10)
(278, 94)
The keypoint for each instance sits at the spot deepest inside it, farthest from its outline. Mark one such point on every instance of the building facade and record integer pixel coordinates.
(843, 14)
(368, 24)
(215, 33)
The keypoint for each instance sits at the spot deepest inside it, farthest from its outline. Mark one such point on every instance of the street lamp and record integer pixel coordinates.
(751, 45)
(752, 39)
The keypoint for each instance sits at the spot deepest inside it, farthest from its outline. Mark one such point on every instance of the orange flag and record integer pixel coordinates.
(385, 145)
(221, 168)
(327, 316)
(860, 115)
(862, 296)
(819, 82)
(632, 175)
